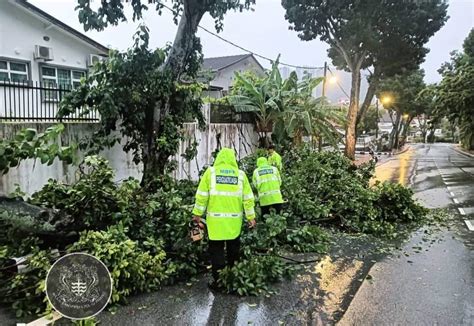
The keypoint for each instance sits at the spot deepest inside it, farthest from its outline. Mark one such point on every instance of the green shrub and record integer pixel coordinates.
(133, 270)
(396, 204)
(309, 238)
(25, 291)
(88, 203)
(267, 236)
(253, 276)
(327, 187)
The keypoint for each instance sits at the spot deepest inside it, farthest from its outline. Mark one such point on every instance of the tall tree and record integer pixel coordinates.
(181, 63)
(455, 93)
(367, 33)
(405, 103)
(426, 119)
(125, 90)
(369, 120)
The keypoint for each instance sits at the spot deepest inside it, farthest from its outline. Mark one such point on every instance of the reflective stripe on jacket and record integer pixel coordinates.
(225, 193)
(266, 179)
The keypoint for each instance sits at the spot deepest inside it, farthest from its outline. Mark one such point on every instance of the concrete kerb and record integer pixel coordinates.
(386, 153)
(463, 152)
(406, 148)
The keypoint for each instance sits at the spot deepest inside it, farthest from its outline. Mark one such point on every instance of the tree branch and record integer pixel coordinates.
(373, 85)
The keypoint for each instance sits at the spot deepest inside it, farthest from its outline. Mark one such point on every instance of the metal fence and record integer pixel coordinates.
(33, 101)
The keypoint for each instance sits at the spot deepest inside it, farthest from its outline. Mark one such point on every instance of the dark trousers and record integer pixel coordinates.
(266, 209)
(218, 259)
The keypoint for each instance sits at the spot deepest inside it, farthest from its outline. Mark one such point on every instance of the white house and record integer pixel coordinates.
(223, 68)
(385, 124)
(38, 51)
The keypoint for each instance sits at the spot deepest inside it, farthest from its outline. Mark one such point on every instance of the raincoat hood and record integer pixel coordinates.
(226, 156)
(262, 161)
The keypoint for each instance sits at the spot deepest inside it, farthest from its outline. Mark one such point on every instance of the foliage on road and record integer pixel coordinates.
(143, 236)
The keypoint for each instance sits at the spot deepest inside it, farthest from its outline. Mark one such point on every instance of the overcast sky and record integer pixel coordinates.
(264, 31)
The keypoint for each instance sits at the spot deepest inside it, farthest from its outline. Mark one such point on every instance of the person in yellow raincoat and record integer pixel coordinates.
(274, 159)
(267, 181)
(224, 194)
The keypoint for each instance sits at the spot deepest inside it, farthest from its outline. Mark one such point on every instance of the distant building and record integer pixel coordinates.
(385, 124)
(223, 69)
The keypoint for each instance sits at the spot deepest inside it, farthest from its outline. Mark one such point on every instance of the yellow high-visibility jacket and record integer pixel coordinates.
(266, 180)
(275, 160)
(225, 193)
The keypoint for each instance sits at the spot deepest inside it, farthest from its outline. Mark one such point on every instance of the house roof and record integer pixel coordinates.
(37, 11)
(220, 63)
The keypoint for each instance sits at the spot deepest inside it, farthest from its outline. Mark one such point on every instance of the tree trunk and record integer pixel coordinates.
(154, 161)
(352, 114)
(430, 138)
(185, 39)
(423, 127)
(395, 130)
(406, 126)
(373, 84)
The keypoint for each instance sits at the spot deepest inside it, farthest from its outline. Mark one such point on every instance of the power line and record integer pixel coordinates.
(339, 84)
(242, 48)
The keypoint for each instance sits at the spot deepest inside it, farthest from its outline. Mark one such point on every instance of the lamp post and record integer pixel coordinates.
(377, 127)
(386, 100)
(332, 79)
(325, 72)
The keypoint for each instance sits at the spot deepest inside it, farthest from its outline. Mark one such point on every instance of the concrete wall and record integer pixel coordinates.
(31, 175)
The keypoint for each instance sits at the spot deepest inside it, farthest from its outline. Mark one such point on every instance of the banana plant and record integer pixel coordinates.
(307, 115)
(284, 107)
(265, 97)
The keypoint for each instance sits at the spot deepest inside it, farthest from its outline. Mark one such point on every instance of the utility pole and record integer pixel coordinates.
(377, 129)
(320, 138)
(324, 80)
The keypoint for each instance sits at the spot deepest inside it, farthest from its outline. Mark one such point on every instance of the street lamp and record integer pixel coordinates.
(387, 100)
(333, 79)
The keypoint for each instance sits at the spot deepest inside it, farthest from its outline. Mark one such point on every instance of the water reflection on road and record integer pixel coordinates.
(396, 168)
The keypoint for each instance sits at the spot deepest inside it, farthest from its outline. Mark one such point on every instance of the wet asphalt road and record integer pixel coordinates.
(431, 280)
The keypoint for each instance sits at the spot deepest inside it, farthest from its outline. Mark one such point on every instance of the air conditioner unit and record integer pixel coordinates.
(94, 58)
(44, 53)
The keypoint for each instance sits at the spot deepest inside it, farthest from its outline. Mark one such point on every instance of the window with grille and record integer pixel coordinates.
(13, 71)
(57, 79)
